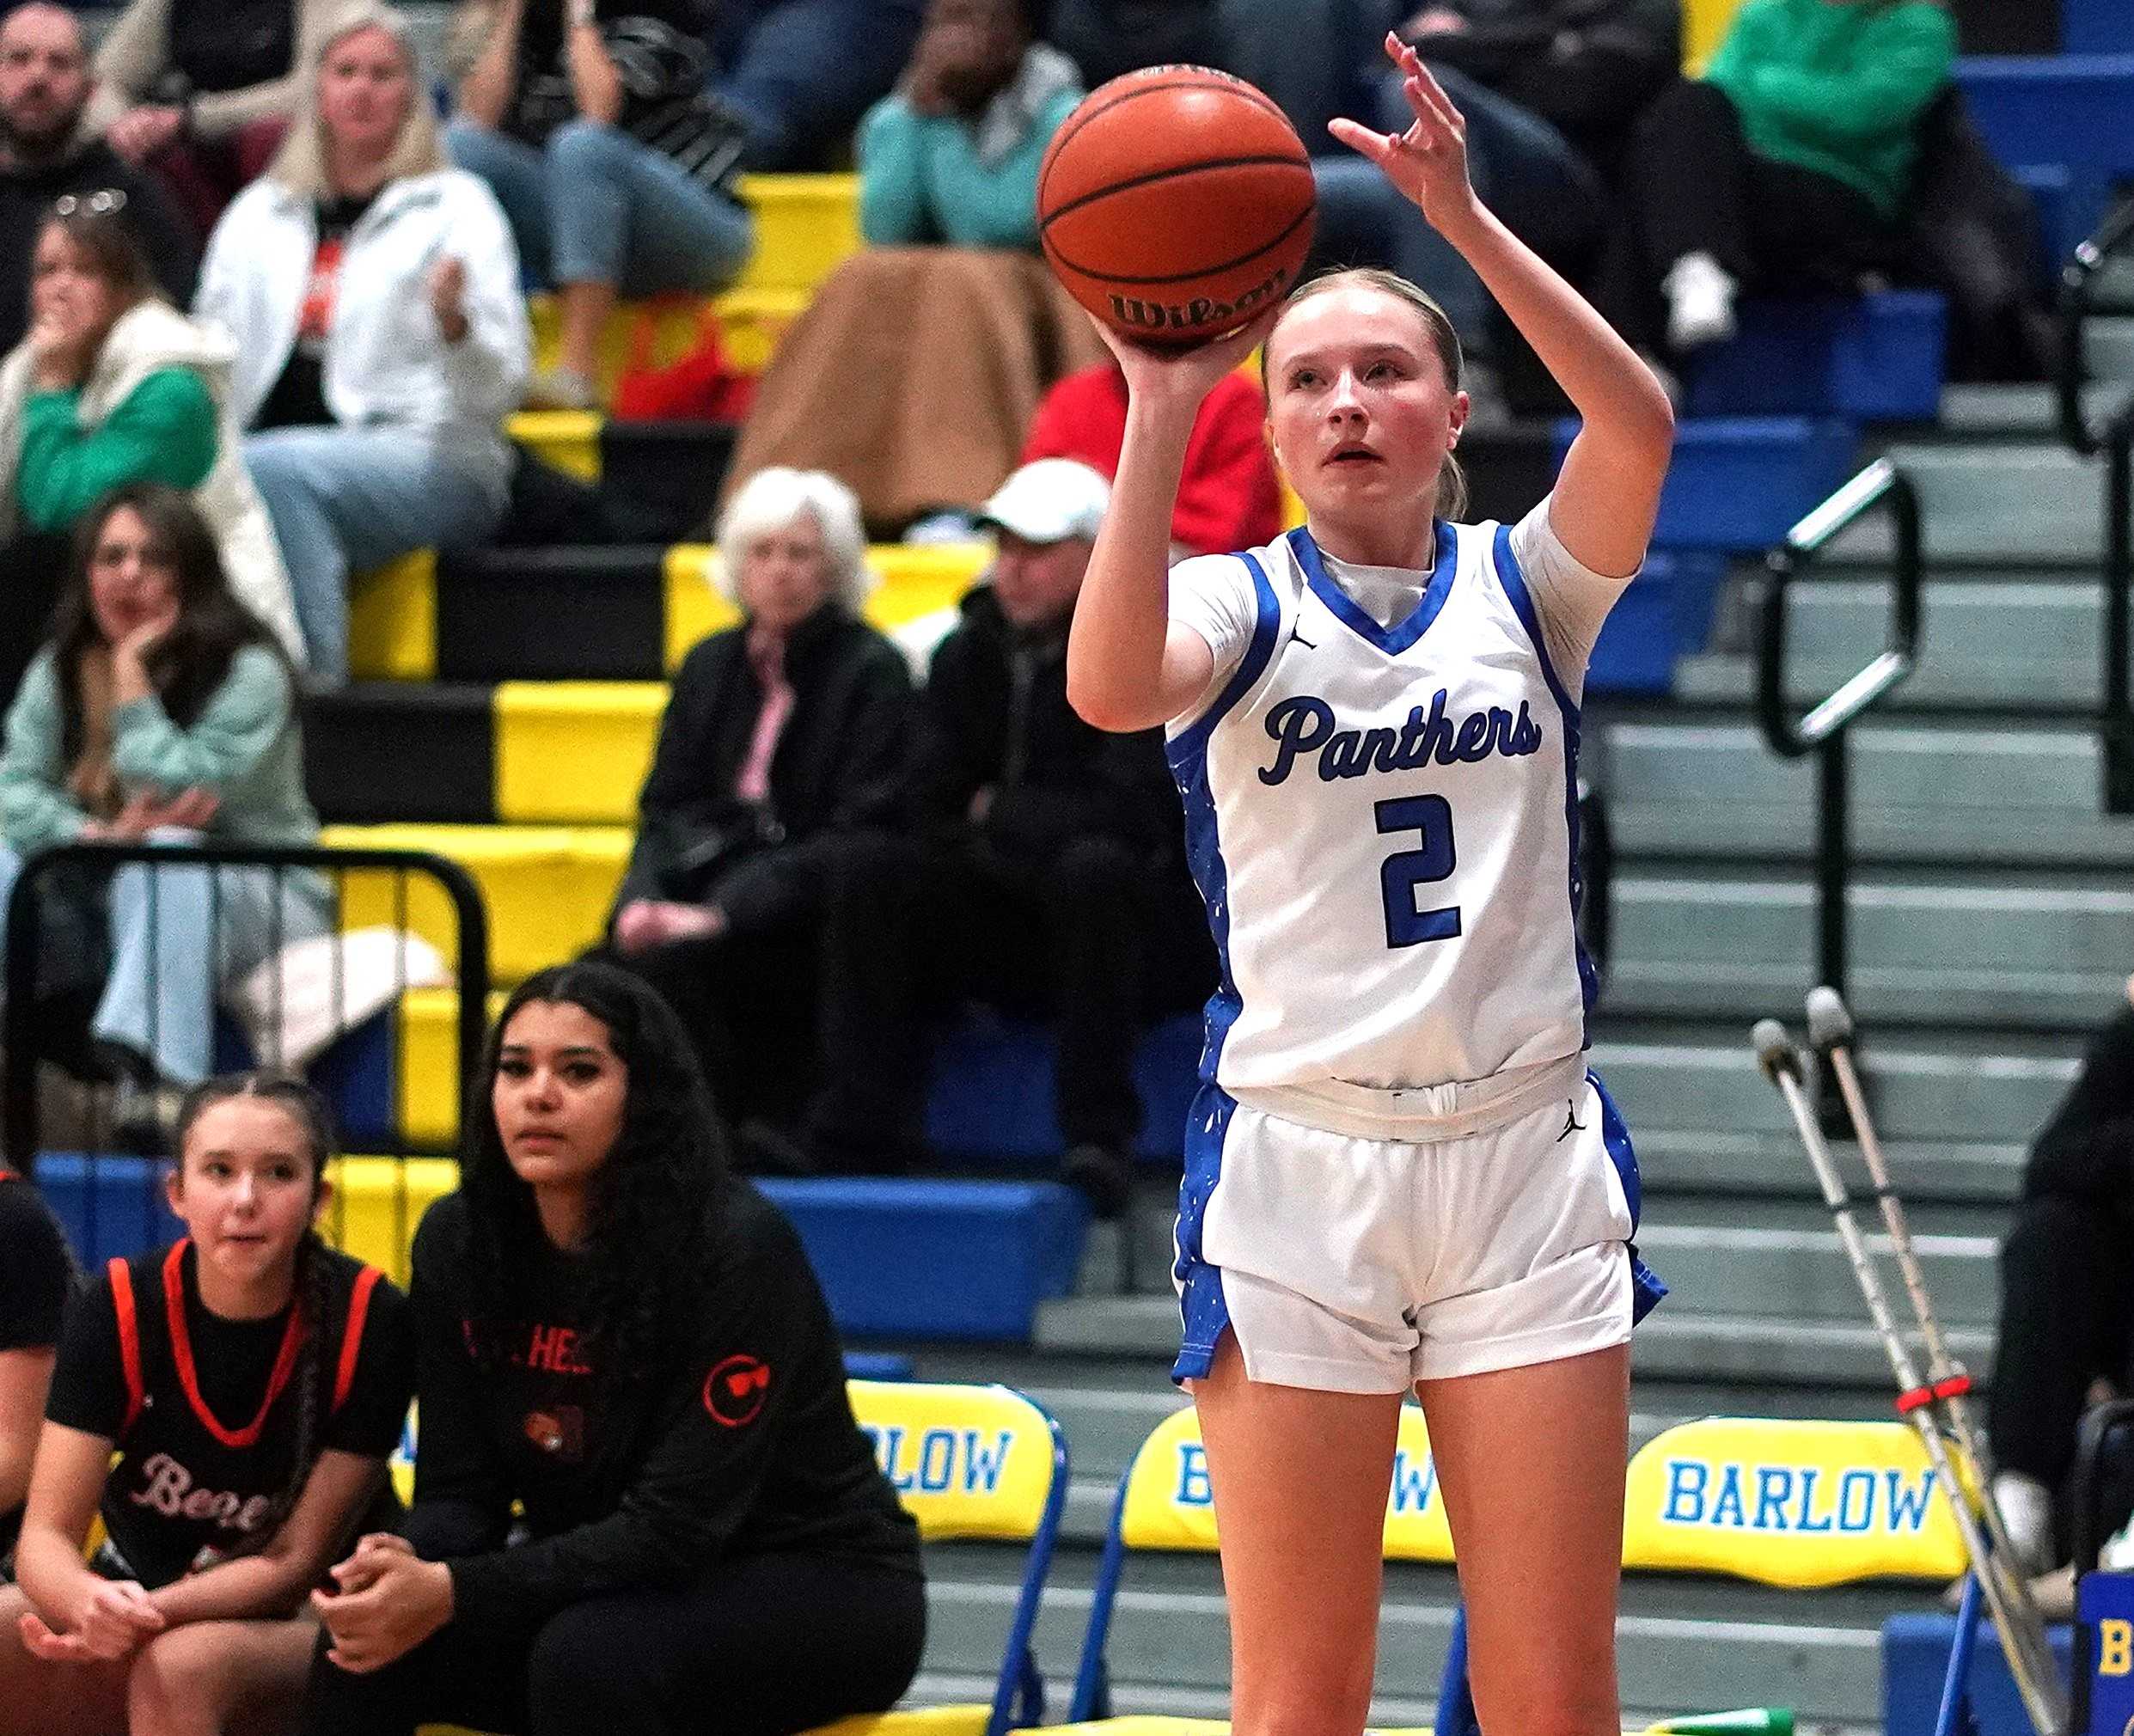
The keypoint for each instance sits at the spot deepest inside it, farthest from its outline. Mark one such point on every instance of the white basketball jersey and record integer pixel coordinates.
(1383, 822)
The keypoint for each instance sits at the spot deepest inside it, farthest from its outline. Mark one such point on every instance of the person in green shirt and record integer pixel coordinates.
(162, 712)
(114, 386)
(1787, 169)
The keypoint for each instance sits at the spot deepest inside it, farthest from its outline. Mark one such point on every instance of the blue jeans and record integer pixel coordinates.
(347, 499)
(177, 935)
(1313, 56)
(594, 206)
(800, 73)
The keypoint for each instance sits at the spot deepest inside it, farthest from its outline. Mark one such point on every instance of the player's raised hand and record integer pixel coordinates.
(1428, 162)
(1184, 377)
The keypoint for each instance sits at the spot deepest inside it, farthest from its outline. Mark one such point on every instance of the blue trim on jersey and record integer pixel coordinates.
(1396, 638)
(1203, 1309)
(1266, 623)
(1514, 584)
(1647, 1287)
(1201, 1295)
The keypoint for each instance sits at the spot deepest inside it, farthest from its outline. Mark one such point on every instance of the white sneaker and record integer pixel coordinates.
(1700, 293)
(2025, 1507)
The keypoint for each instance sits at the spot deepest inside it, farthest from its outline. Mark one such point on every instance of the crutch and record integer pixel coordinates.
(2013, 1614)
(1831, 1030)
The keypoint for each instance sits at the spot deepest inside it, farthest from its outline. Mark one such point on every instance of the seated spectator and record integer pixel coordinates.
(951, 155)
(163, 710)
(1228, 497)
(47, 154)
(800, 73)
(1044, 869)
(782, 734)
(223, 1409)
(955, 342)
(625, 1361)
(36, 1277)
(1787, 167)
(112, 386)
(201, 95)
(1549, 89)
(2067, 1296)
(373, 292)
(590, 119)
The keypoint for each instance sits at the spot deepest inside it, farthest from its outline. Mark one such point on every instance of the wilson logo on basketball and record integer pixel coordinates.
(1134, 314)
(735, 1389)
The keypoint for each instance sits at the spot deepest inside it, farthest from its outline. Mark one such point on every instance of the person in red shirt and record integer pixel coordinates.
(1228, 498)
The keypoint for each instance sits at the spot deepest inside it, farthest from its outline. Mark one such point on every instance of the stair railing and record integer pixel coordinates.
(1824, 730)
(2112, 434)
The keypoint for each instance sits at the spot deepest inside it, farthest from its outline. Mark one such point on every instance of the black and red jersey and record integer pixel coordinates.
(205, 1412)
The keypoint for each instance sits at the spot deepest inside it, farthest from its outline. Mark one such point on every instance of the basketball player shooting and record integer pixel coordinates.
(1399, 1173)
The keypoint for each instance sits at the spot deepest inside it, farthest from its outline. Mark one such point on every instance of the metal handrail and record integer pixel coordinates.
(1823, 729)
(2073, 311)
(2112, 434)
(19, 955)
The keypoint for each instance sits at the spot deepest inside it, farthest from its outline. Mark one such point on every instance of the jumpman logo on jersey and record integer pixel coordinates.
(1571, 1123)
(1300, 638)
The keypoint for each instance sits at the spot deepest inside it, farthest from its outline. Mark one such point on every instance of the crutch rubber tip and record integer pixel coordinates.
(1774, 1052)
(1830, 1025)
(1753, 1720)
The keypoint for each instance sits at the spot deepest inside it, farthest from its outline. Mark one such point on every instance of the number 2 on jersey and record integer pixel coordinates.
(1403, 872)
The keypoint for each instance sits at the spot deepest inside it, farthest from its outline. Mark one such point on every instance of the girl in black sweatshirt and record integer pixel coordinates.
(629, 1343)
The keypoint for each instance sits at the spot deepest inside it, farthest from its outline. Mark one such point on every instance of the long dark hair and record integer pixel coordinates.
(307, 1109)
(649, 1233)
(190, 661)
(109, 243)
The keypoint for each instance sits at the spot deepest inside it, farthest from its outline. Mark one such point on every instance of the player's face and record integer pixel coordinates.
(1361, 411)
(1036, 583)
(559, 1095)
(365, 90)
(247, 1187)
(785, 574)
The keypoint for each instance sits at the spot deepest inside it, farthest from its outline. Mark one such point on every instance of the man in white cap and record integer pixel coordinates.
(1042, 870)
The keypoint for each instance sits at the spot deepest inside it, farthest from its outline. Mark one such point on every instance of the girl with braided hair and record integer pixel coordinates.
(224, 1407)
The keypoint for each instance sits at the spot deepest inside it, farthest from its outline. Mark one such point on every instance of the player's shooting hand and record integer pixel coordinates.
(1428, 162)
(1185, 377)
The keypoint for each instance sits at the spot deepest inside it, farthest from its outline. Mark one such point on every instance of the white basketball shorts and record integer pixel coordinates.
(1362, 1265)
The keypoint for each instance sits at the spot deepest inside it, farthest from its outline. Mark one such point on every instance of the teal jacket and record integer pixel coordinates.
(1838, 86)
(937, 179)
(245, 747)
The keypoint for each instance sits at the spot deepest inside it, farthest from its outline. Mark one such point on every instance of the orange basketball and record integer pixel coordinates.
(1175, 203)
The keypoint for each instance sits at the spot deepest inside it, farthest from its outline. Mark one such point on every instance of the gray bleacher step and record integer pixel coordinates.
(1802, 1275)
(1929, 791)
(2019, 503)
(1723, 678)
(2108, 347)
(1941, 1088)
(1737, 1164)
(2017, 411)
(2053, 949)
(1677, 1341)
(1684, 1644)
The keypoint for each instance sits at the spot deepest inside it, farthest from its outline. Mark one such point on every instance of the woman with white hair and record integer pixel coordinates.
(783, 733)
(373, 290)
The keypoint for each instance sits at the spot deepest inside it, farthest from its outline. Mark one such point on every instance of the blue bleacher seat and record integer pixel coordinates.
(1740, 483)
(1866, 358)
(1666, 614)
(992, 1096)
(1915, 1659)
(901, 1257)
(2070, 109)
(108, 1205)
(2096, 26)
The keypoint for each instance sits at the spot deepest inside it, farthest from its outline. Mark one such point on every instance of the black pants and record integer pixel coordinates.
(771, 1645)
(1095, 938)
(748, 1001)
(2067, 1320)
(1691, 184)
